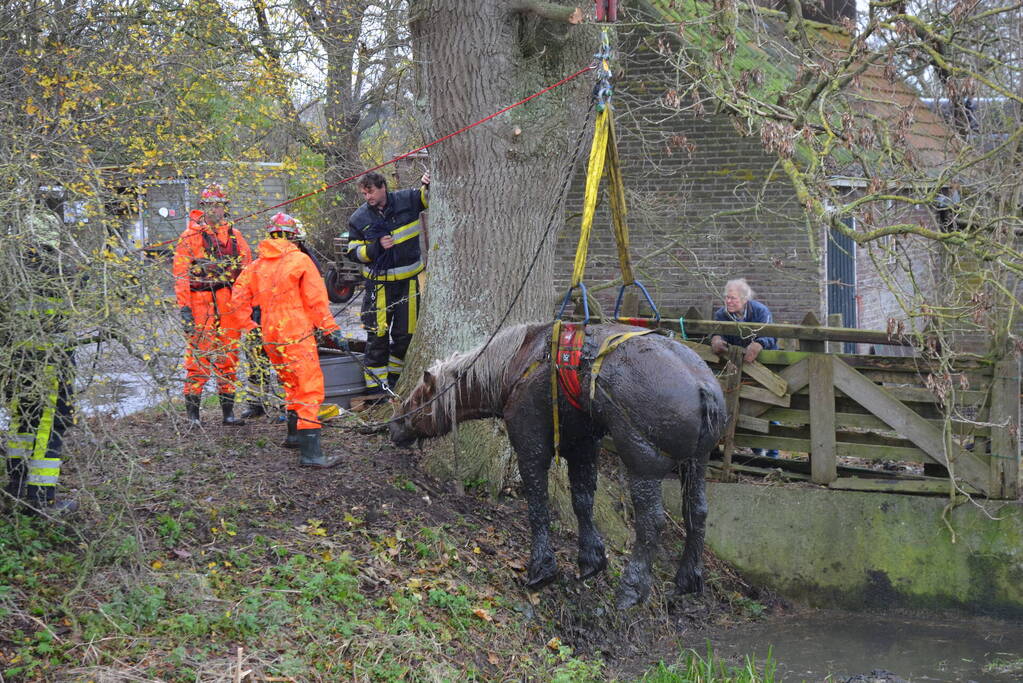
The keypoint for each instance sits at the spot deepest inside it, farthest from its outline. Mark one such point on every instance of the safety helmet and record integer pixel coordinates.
(282, 222)
(213, 194)
(300, 233)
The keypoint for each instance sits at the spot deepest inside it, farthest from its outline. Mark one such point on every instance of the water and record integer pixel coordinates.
(814, 645)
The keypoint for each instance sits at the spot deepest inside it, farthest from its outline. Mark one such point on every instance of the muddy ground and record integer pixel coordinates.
(377, 506)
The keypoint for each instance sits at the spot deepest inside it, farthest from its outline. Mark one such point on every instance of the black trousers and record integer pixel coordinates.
(389, 314)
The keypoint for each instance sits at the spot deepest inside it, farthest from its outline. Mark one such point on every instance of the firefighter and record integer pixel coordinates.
(284, 294)
(38, 363)
(207, 260)
(259, 364)
(384, 240)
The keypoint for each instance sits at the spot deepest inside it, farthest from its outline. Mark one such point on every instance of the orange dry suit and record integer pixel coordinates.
(292, 301)
(207, 261)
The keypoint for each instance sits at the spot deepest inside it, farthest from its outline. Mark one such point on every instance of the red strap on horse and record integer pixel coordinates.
(570, 353)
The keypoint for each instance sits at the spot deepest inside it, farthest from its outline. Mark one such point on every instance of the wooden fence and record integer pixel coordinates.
(853, 416)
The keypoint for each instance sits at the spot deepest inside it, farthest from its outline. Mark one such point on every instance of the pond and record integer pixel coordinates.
(811, 646)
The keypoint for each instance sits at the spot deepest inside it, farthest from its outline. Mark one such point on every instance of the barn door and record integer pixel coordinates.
(842, 279)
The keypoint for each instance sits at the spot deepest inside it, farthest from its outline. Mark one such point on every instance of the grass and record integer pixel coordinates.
(174, 571)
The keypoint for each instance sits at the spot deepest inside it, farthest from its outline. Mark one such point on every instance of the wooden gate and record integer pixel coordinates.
(866, 422)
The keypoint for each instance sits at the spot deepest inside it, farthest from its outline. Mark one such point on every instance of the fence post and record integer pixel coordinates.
(823, 464)
(810, 320)
(835, 320)
(731, 386)
(1005, 414)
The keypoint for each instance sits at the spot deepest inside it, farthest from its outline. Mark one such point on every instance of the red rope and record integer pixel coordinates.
(406, 154)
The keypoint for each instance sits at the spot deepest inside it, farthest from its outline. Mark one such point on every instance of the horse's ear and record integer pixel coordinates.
(428, 379)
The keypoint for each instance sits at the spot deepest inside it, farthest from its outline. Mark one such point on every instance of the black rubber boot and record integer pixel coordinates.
(312, 456)
(293, 430)
(192, 402)
(253, 409)
(42, 500)
(227, 408)
(15, 477)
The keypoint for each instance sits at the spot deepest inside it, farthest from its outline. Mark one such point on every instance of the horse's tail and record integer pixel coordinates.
(712, 418)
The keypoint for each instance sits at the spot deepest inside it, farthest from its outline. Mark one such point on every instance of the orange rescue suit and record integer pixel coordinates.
(292, 299)
(213, 344)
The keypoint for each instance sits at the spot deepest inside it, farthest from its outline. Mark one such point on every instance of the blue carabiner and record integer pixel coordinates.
(568, 297)
(646, 295)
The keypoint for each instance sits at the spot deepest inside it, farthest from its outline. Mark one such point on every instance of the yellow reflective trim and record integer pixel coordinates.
(406, 238)
(362, 253)
(606, 347)
(403, 231)
(45, 428)
(424, 196)
(393, 274)
(381, 300)
(413, 314)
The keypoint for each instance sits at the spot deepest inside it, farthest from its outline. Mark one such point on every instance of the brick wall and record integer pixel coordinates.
(705, 205)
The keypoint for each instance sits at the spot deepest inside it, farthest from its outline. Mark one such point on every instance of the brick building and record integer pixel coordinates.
(707, 204)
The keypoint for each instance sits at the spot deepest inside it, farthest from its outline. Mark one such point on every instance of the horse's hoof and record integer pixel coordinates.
(537, 582)
(592, 570)
(629, 596)
(689, 584)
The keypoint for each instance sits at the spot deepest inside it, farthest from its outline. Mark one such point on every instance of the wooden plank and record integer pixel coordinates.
(763, 395)
(823, 466)
(770, 381)
(811, 343)
(845, 421)
(796, 376)
(918, 394)
(843, 449)
(801, 332)
(921, 486)
(731, 388)
(1005, 412)
(753, 424)
(763, 471)
(702, 350)
(904, 421)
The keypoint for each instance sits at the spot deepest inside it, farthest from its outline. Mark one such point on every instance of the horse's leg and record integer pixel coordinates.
(582, 475)
(649, 514)
(535, 449)
(689, 578)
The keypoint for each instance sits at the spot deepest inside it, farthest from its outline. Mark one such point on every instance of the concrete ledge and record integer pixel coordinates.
(862, 550)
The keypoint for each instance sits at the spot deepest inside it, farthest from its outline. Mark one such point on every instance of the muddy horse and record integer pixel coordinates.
(657, 399)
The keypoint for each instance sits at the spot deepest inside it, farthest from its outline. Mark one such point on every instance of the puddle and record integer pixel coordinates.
(919, 647)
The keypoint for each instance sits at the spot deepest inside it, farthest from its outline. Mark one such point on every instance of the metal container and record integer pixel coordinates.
(342, 378)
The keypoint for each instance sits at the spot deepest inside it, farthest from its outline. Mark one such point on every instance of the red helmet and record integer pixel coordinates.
(213, 194)
(282, 222)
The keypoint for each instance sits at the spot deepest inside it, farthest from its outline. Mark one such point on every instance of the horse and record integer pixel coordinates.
(660, 403)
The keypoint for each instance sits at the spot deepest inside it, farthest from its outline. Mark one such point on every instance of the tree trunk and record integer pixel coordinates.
(494, 188)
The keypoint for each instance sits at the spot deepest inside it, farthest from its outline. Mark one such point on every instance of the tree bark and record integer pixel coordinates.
(493, 188)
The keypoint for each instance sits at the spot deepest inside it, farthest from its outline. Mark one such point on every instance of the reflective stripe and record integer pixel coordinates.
(375, 376)
(406, 232)
(381, 300)
(19, 445)
(424, 196)
(43, 471)
(45, 428)
(395, 365)
(393, 274)
(362, 254)
(412, 312)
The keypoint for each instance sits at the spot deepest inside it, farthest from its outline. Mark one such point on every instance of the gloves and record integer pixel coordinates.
(337, 340)
(257, 315)
(187, 318)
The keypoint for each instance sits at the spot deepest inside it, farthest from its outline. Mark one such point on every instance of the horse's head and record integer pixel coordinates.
(415, 418)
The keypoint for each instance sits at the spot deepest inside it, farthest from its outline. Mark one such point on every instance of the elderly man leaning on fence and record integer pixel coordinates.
(741, 307)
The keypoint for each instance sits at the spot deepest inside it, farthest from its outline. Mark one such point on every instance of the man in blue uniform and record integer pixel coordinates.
(384, 240)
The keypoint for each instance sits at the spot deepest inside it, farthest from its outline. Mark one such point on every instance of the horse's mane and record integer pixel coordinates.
(485, 373)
